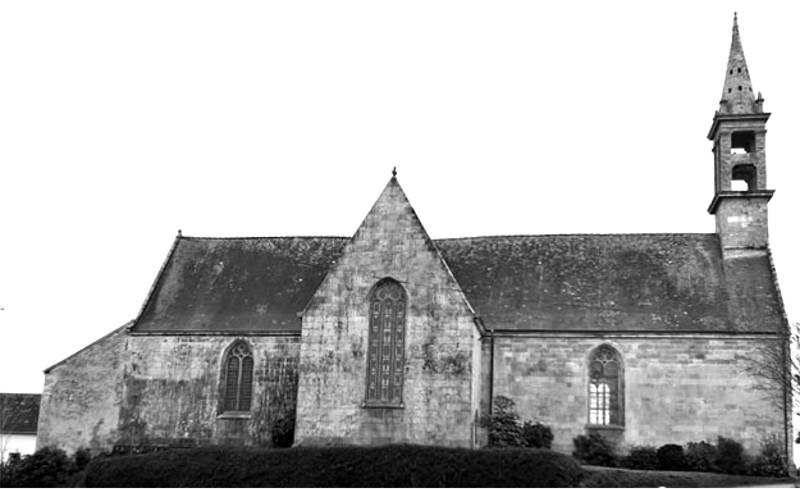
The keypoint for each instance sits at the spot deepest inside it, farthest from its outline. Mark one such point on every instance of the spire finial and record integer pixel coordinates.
(737, 92)
(394, 172)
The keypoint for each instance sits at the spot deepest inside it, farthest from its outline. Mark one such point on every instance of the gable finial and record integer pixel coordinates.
(394, 172)
(180, 233)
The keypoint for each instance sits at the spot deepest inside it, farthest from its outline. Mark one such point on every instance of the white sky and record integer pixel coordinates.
(122, 122)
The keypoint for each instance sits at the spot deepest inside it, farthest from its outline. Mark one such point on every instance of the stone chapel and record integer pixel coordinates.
(390, 336)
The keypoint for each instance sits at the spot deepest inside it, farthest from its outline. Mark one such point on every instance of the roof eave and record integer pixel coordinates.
(127, 325)
(157, 280)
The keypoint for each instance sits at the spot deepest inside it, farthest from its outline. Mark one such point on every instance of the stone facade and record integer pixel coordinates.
(441, 341)
(160, 391)
(171, 391)
(80, 400)
(677, 388)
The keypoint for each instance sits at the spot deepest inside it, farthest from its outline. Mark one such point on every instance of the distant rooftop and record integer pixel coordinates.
(19, 413)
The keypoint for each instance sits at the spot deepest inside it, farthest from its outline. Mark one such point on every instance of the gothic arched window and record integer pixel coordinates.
(385, 356)
(606, 394)
(238, 378)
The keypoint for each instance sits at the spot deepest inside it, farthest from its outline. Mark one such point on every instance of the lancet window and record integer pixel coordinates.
(386, 350)
(606, 396)
(238, 378)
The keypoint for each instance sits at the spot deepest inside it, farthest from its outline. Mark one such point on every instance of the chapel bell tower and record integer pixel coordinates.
(740, 166)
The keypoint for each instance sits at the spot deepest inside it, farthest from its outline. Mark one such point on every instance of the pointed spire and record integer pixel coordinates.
(737, 93)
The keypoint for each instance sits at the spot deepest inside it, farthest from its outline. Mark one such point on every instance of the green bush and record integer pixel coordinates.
(671, 457)
(503, 424)
(641, 458)
(594, 450)
(283, 432)
(81, 458)
(771, 462)
(47, 467)
(387, 466)
(701, 457)
(730, 456)
(537, 435)
(505, 429)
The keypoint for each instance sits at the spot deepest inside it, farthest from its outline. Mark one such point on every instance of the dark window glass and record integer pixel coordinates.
(385, 356)
(238, 379)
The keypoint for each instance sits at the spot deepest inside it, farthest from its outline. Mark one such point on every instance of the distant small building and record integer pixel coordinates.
(19, 419)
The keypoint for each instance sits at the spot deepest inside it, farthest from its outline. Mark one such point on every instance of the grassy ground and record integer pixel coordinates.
(607, 477)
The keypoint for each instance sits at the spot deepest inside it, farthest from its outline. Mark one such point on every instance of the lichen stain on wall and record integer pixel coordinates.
(172, 391)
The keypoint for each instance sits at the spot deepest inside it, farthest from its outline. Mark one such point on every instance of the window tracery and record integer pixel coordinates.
(238, 378)
(386, 350)
(605, 387)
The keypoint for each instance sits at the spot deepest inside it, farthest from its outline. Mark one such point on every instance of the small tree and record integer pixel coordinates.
(503, 424)
(775, 370)
(771, 462)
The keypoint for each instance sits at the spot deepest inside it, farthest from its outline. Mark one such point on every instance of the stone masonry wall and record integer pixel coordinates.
(79, 407)
(171, 391)
(440, 341)
(743, 223)
(677, 389)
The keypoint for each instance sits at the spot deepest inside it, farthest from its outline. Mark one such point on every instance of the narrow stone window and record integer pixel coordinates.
(386, 351)
(238, 378)
(605, 387)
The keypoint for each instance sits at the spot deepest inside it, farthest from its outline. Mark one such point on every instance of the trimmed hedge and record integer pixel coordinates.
(594, 450)
(608, 477)
(641, 458)
(388, 466)
(671, 457)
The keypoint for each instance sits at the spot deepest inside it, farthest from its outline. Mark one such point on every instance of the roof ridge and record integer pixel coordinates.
(571, 235)
(232, 238)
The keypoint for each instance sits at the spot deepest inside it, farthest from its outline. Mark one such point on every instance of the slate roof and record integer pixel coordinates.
(625, 282)
(237, 284)
(614, 282)
(19, 413)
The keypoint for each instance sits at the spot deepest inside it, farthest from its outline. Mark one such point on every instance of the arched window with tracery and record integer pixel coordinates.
(386, 353)
(606, 396)
(238, 378)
